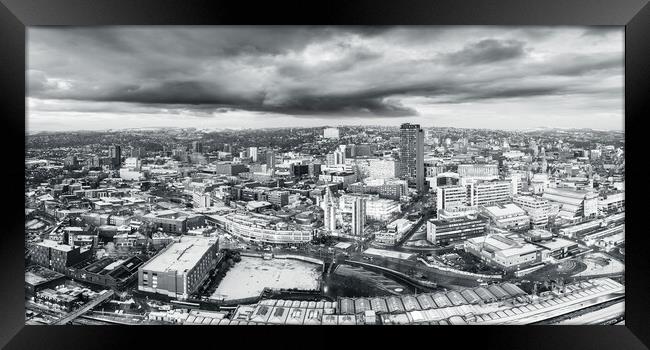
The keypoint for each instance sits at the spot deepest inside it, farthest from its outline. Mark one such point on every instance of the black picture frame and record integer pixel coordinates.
(15, 15)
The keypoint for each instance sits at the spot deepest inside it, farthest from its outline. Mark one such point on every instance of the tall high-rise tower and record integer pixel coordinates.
(358, 216)
(115, 153)
(197, 147)
(270, 161)
(411, 153)
(329, 209)
(252, 152)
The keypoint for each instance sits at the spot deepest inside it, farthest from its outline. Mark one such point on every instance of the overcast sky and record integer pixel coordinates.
(229, 77)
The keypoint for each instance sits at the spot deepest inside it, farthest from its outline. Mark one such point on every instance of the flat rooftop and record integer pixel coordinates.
(180, 256)
(56, 245)
(556, 243)
(505, 210)
(388, 253)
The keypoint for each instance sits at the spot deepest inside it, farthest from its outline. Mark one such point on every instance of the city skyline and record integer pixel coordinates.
(509, 78)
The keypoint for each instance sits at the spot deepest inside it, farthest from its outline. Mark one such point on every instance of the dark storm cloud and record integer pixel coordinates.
(177, 92)
(486, 51)
(312, 71)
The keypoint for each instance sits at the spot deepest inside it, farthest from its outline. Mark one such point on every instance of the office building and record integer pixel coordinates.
(115, 155)
(335, 158)
(197, 147)
(507, 216)
(536, 207)
(455, 230)
(481, 171)
(490, 192)
(411, 153)
(279, 198)
(201, 199)
(358, 216)
(329, 210)
(228, 168)
(460, 212)
(252, 153)
(503, 253)
(385, 188)
(341, 177)
(270, 161)
(180, 268)
(450, 197)
(382, 209)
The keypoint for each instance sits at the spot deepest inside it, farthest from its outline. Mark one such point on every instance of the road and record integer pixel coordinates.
(405, 237)
(82, 310)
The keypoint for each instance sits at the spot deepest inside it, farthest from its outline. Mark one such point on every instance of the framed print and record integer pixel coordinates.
(366, 165)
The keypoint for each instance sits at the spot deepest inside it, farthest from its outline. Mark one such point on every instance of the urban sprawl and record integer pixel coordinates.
(328, 225)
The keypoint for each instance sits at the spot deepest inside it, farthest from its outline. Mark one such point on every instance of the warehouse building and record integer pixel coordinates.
(179, 269)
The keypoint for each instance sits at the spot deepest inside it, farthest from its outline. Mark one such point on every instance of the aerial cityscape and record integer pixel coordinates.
(279, 177)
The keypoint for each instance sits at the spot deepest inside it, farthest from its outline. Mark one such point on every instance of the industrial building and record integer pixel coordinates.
(58, 257)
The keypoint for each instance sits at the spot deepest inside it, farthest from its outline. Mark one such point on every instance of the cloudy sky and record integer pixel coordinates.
(230, 77)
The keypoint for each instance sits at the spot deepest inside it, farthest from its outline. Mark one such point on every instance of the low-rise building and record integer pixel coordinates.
(611, 203)
(455, 230)
(57, 256)
(507, 216)
(502, 252)
(382, 209)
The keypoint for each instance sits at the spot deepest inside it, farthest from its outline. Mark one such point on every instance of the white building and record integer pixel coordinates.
(492, 192)
(450, 197)
(539, 183)
(508, 216)
(611, 202)
(381, 209)
(537, 208)
(252, 153)
(201, 200)
(503, 252)
(132, 163)
(399, 227)
(481, 171)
